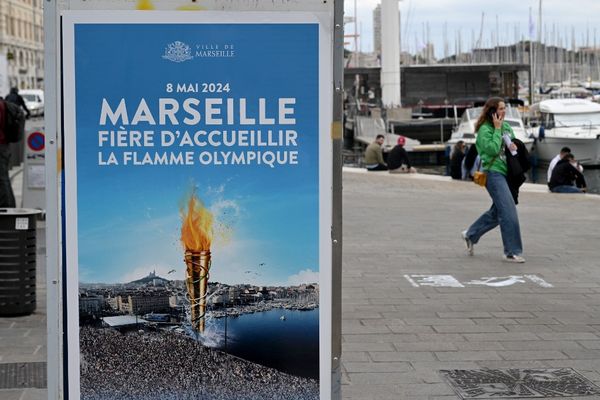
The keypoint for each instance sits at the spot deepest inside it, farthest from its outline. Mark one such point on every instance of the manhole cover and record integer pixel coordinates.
(23, 375)
(518, 383)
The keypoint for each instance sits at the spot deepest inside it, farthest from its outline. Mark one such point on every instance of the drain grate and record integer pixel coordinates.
(519, 383)
(23, 375)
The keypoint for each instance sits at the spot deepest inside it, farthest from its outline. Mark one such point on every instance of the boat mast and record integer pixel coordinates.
(539, 43)
(355, 35)
(531, 61)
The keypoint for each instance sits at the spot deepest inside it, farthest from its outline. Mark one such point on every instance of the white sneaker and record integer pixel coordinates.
(514, 259)
(468, 243)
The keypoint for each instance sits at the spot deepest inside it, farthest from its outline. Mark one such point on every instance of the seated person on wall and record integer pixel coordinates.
(374, 155)
(456, 158)
(563, 152)
(470, 163)
(566, 177)
(398, 161)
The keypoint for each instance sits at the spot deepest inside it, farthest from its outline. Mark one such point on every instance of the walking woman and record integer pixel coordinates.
(490, 128)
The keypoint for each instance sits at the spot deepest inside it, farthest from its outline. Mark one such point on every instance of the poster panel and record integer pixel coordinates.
(198, 205)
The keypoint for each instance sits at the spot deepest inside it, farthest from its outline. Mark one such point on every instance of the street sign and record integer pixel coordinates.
(34, 171)
(36, 141)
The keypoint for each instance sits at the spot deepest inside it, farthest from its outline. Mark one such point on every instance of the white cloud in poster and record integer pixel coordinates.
(304, 276)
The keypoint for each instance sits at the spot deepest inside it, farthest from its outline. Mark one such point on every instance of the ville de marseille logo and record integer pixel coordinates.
(178, 52)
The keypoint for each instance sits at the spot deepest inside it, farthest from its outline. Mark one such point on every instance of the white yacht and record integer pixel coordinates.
(574, 123)
(465, 130)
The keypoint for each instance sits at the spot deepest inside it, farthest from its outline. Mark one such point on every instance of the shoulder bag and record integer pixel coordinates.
(480, 177)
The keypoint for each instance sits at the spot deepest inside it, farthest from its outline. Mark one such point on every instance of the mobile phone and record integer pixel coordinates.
(491, 113)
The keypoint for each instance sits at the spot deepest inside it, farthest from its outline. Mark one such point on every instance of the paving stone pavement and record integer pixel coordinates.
(397, 337)
(23, 339)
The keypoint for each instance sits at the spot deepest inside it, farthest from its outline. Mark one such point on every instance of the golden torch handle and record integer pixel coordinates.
(197, 274)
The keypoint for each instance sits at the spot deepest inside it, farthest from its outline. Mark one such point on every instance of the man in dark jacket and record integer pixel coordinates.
(7, 197)
(398, 160)
(16, 98)
(566, 178)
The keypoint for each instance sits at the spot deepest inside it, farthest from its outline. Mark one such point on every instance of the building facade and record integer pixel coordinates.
(147, 303)
(91, 305)
(21, 45)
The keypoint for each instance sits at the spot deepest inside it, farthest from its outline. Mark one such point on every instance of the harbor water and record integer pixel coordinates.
(287, 340)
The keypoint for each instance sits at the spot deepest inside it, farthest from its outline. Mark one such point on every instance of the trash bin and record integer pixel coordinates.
(17, 261)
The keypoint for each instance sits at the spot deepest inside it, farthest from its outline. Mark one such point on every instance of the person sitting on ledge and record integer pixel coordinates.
(374, 155)
(398, 161)
(566, 177)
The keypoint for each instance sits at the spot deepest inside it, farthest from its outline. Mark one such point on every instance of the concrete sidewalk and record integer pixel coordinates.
(400, 231)
(398, 333)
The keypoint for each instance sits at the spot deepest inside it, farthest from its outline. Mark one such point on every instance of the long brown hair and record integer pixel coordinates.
(492, 102)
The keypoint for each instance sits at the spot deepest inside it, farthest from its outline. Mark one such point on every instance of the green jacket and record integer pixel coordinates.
(374, 154)
(490, 145)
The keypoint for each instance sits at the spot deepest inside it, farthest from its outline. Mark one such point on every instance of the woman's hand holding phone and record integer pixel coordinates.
(497, 121)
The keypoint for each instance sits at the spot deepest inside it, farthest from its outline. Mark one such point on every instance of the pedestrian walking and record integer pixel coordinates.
(15, 98)
(7, 197)
(493, 135)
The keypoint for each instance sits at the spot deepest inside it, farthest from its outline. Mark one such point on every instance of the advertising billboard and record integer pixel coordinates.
(197, 156)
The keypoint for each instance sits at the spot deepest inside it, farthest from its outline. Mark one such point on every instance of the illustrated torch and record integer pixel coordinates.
(196, 237)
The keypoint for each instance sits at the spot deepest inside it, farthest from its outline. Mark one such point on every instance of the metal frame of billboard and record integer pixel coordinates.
(56, 292)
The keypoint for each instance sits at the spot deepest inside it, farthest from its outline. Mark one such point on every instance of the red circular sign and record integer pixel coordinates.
(36, 141)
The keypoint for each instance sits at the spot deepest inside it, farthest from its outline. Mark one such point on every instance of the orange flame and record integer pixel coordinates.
(197, 226)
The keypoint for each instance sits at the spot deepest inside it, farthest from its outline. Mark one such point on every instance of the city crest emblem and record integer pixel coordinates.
(178, 52)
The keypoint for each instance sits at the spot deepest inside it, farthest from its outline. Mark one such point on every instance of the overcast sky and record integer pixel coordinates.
(559, 19)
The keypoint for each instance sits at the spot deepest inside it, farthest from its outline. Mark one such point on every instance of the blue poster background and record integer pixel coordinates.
(128, 216)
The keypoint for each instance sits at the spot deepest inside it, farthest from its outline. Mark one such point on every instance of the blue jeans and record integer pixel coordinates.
(7, 198)
(503, 212)
(565, 189)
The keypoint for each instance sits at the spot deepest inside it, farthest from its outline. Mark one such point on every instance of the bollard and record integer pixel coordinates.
(17, 261)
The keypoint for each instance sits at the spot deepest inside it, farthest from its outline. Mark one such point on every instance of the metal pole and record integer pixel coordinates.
(53, 232)
(441, 130)
(355, 36)
(539, 43)
(336, 223)
(531, 69)
(35, 43)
